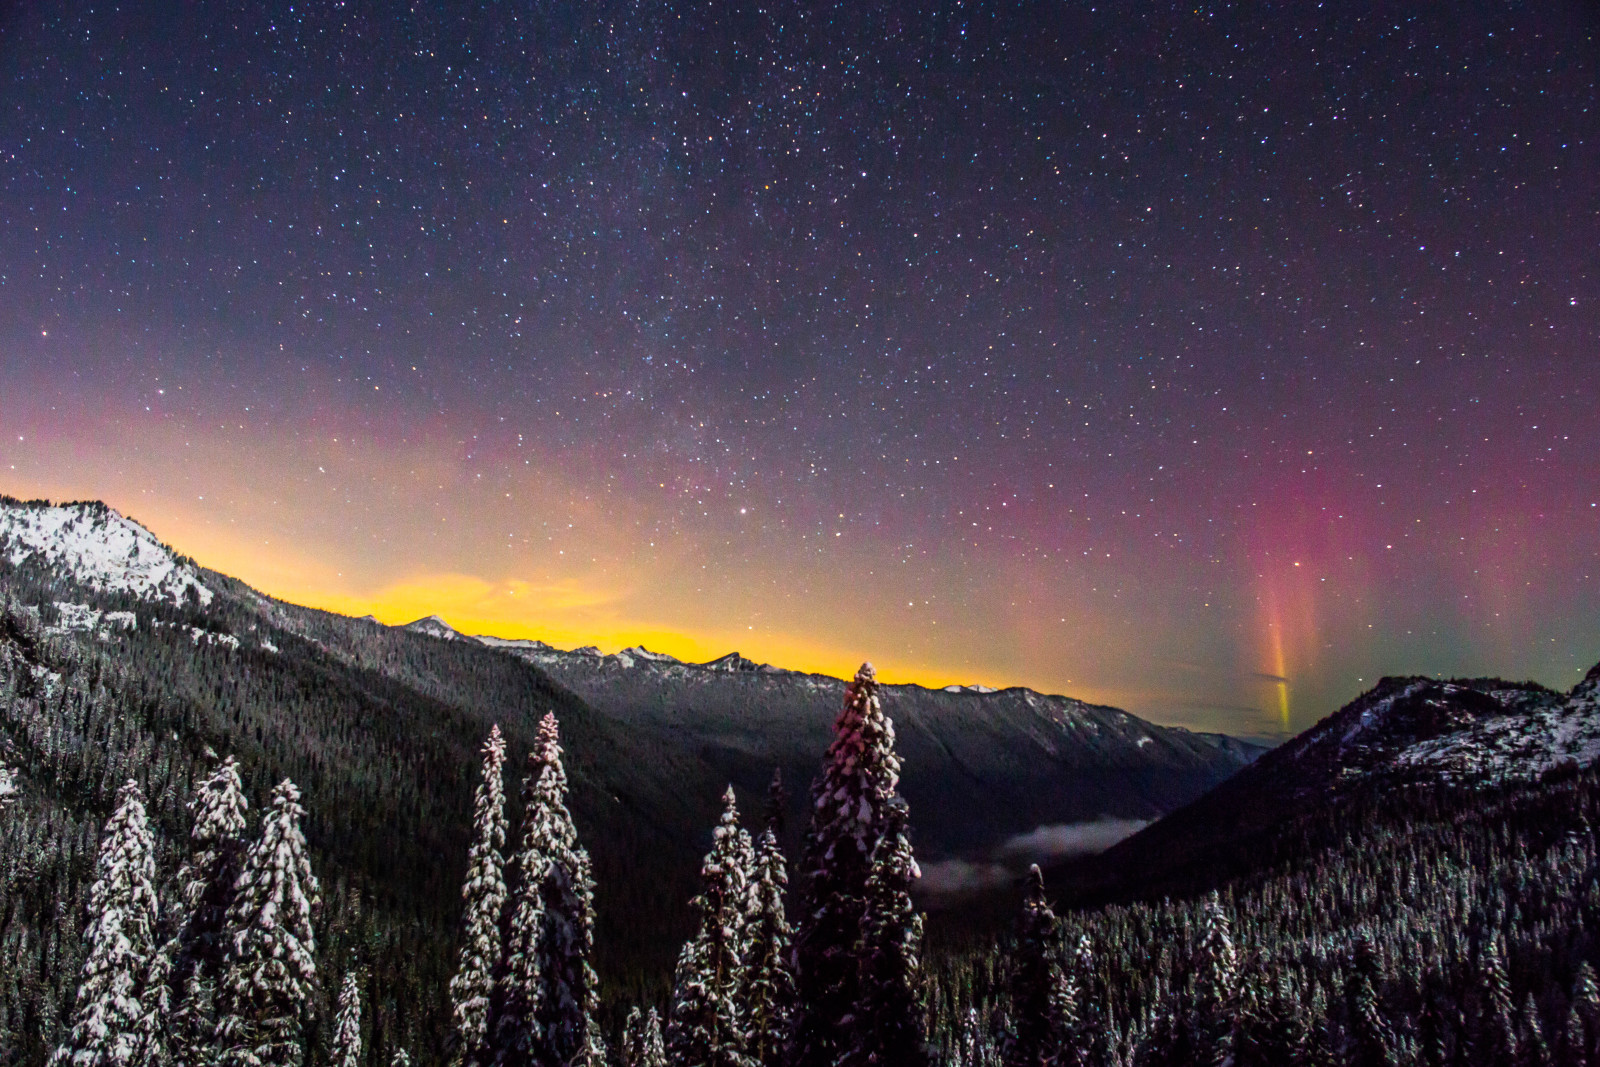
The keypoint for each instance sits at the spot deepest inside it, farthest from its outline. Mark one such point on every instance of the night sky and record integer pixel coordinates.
(1210, 361)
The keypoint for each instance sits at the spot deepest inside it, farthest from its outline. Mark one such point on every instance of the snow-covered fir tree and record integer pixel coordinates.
(269, 976)
(546, 992)
(1038, 1027)
(206, 892)
(850, 801)
(484, 895)
(1372, 1040)
(1496, 1037)
(889, 1027)
(642, 1042)
(347, 1024)
(769, 970)
(1088, 1032)
(706, 1025)
(119, 937)
(9, 790)
(630, 1050)
(401, 1058)
(1216, 976)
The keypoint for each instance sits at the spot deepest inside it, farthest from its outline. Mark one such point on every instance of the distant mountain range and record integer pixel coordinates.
(983, 768)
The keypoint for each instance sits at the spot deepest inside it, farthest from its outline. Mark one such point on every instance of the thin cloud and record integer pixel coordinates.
(1062, 840)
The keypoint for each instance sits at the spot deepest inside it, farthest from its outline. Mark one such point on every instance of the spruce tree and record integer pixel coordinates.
(104, 1031)
(706, 1025)
(1586, 1002)
(347, 1024)
(484, 894)
(1573, 1050)
(206, 892)
(1039, 1027)
(270, 975)
(769, 972)
(630, 1049)
(546, 993)
(889, 1028)
(1088, 1034)
(1216, 974)
(1372, 1039)
(849, 802)
(1497, 1034)
(654, 1046)
(9, 790)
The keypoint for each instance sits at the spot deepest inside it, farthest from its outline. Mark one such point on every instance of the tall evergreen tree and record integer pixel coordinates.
(706, 1024)
(9, 790)
(769, 972)
(1372, 1040)
(1216, 976)
(889, 1028)
(484, 894)
(1496, 1037)
(653, 1046)
(270, 974)
(1573, 1051)
(120, 940)
(206, 892)
(347, 1024)
(630, 1050)
(546, 993)
(849, 803)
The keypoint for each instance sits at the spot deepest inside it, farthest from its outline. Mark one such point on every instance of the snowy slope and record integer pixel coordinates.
(97, 547)
(1465, 731)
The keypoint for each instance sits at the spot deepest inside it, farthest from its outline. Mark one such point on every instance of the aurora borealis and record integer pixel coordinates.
(1211, 362)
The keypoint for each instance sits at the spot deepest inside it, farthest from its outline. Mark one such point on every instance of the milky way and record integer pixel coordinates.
(1210, 361)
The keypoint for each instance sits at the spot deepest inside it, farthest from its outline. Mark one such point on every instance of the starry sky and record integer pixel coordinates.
(1211, 361)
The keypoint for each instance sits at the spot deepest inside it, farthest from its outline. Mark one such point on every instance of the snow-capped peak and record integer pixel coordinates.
(733, 662)
(98, 547)
(640, 652)
(433, 626)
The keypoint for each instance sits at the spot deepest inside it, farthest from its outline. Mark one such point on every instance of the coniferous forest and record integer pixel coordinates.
(190, 876)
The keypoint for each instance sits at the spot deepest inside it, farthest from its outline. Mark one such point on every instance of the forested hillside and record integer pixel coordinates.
(384, 764)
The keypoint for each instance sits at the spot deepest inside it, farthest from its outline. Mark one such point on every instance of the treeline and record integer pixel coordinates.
(234, 983)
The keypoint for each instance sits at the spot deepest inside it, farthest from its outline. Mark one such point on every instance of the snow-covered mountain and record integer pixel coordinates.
(99, 547)
(1409, 732)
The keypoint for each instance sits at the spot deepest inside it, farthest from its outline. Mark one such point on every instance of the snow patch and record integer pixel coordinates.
(433, 626)
(81, 618)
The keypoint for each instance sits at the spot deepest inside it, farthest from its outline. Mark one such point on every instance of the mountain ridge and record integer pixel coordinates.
(1406, 732)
